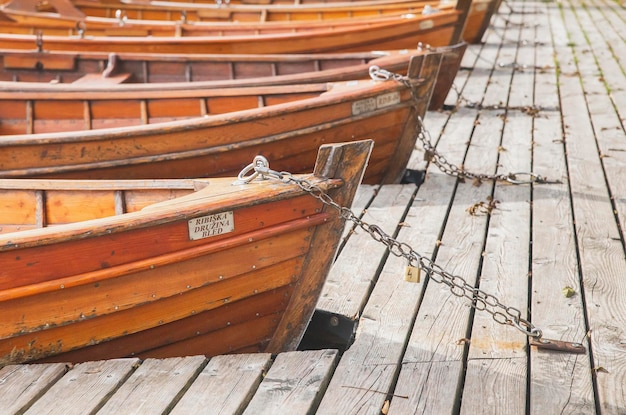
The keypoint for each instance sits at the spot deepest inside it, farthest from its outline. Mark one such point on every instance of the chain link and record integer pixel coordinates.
(480, 300)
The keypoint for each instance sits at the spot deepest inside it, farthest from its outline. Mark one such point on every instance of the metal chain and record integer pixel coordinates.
(431, 153)
(480, 300)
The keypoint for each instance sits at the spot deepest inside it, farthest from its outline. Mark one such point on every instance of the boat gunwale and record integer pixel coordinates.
(200, 202)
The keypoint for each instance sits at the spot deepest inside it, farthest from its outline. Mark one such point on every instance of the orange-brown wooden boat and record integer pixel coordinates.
(90, 18)
(112, 133)
(478, 19)
(213, 71)
(438, 29)
(158, 268)
(96, 14)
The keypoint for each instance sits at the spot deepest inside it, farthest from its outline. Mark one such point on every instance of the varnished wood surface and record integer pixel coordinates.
(544, 93)
(406, 31)
(211, 132)
(90, 72)
(187, 19)
(74, 283)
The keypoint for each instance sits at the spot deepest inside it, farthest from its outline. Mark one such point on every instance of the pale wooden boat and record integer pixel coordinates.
(397, 32)
(157, 268)
(162, 71)
(112, 133)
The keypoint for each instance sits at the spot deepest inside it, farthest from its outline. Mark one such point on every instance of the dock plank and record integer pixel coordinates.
(504, 274)
(499, 387)
(352, 277)
(155, 386)
(599, 237)
(295, 383)
(85, 388)
(496, 362)
(522, 89)
(21, 385)
(559, 383)
(226, 385)
(426, 383)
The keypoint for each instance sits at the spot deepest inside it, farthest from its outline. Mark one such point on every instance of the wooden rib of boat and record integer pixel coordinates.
(438, 29)
(214, 71)
(196, 133)
(105, 269)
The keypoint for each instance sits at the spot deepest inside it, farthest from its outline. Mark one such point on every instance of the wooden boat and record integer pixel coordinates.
(103, 269)
(215, 71)
(406, 31)
(478, 18)
(124, 14)
(187, 19)
(97, 27)
(195, 133)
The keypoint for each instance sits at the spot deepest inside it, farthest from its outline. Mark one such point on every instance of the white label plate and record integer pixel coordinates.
(211, 225)
(372, 104)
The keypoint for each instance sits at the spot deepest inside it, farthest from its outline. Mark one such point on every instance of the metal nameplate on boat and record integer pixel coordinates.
(427, 24)
(372, 104)
(211, 225)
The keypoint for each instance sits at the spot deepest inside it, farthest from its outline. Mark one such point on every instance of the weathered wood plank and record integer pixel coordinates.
(226, 385)
(21, 385)
(426, 388)
(504, 271)
(601, 251)
(504, 274)
(504, 62)
(434, 123)
(499, 387)
(425, 383)
(352, 277)
(84, 389)
(295, 383)
(366, 371)
(522, 84)
(155, 386)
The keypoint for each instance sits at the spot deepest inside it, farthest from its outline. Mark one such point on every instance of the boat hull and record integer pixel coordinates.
(225, 268)
(288, 133)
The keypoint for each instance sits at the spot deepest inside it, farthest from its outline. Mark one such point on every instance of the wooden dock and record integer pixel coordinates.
(544, 93)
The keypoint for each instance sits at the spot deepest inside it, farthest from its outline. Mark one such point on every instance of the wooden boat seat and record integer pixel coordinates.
(99, 79)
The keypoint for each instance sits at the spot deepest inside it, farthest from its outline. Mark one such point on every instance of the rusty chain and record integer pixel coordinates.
(480, 300)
